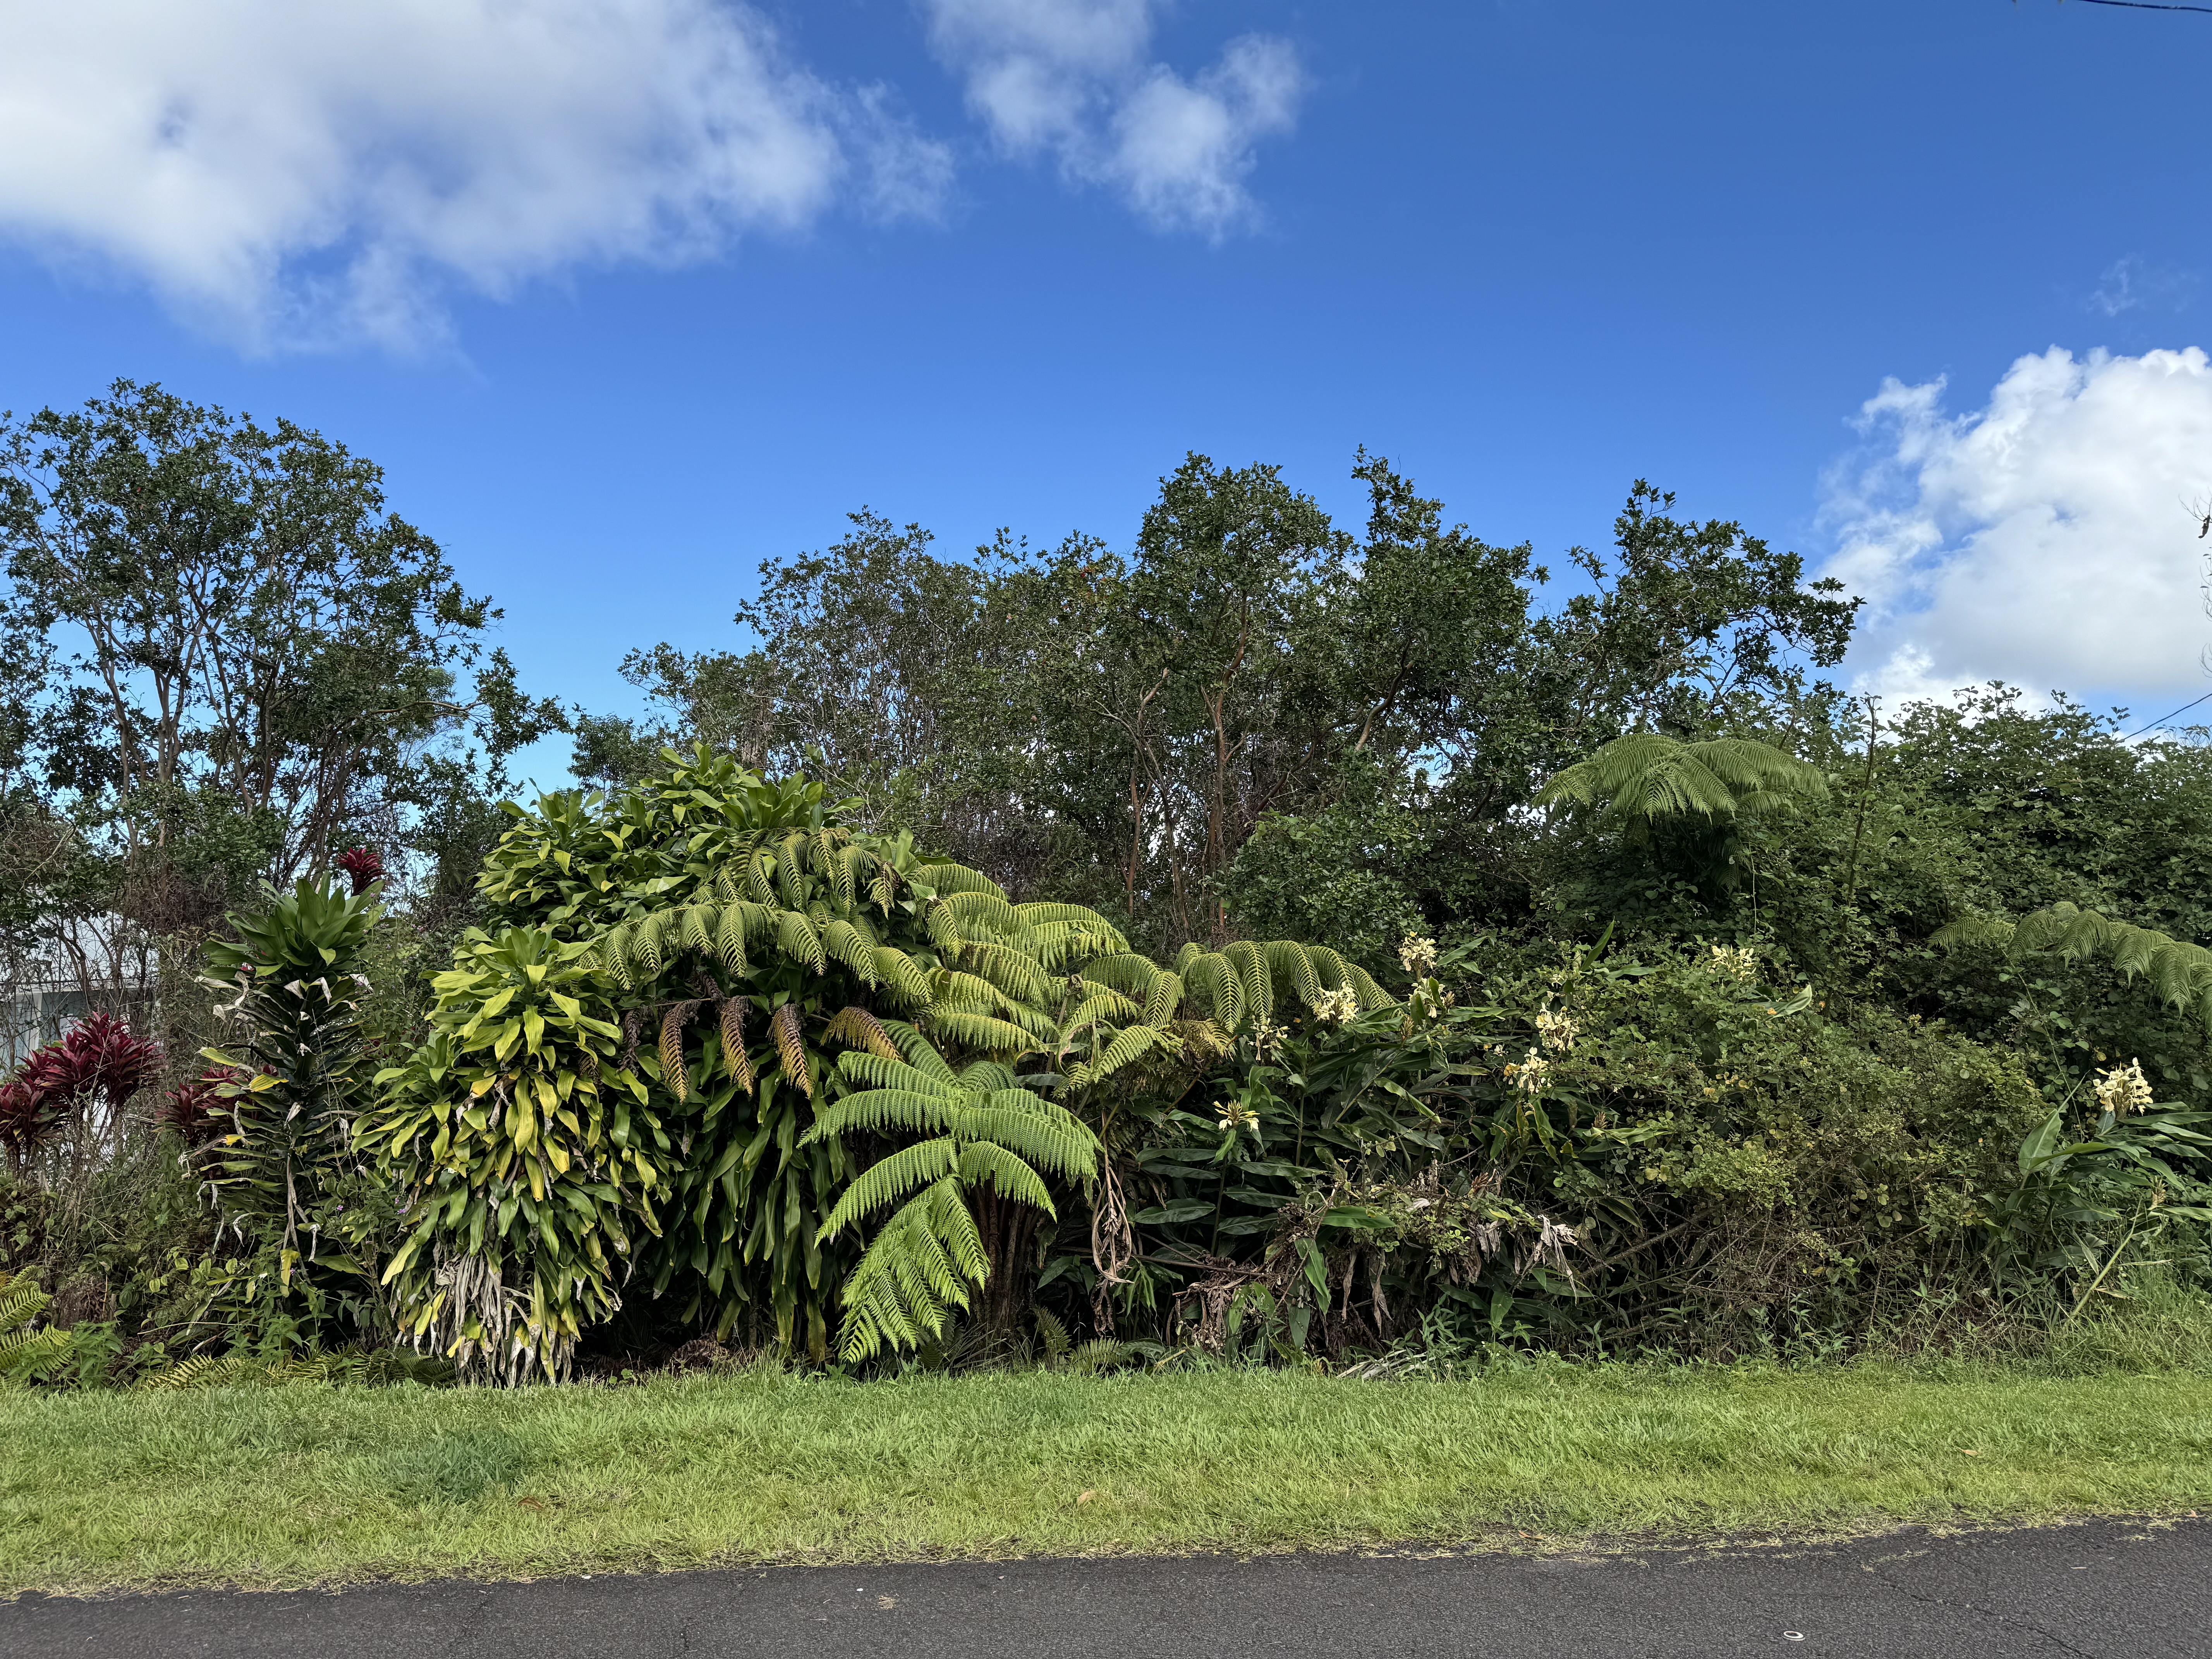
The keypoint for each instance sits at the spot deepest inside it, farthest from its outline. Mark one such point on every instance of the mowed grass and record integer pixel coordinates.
(299, 1486)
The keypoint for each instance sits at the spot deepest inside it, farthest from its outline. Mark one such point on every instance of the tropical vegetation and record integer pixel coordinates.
(1271, 946)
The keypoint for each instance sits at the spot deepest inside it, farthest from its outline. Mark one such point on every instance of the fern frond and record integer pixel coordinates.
(919, 1266)
(875, 1071)
(857, 1028)
(797, 941)
(984, 1160)
(979, 1031)
(1124, 971)
(902, 975)
(950, 879)
(981, 908)
(1644, 776)
(733, 1020)
(2179, 972)
(890, 1179)
(845, 942)
(1009, 970)
(671, 1047)
(791, 1047)
(871, 1111)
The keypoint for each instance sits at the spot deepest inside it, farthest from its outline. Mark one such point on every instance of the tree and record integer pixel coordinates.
(231, 659)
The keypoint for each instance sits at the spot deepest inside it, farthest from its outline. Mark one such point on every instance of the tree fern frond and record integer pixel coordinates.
(1254, 984)
(791, 1047)
(902, 975)
(732, 1020)
(871, 1111)
(842, 940)
(979, 908)
(797, 941)
(858, 1029)
(1124, 971)
(1292, 964)
(1644, 776)
(919, 1266)
(1014, 972)
(983, 1032)
(890, 1179)
(874, 1071)
(985, 1160)
(672, 1022)
(950, 879)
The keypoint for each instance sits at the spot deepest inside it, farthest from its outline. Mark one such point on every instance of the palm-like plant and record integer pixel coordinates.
(2179, 972)
(1644, 776)
(980, 1133)
(290, 1095)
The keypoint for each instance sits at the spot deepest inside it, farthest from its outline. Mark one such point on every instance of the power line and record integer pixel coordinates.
(2147, 5)
(2206, 697)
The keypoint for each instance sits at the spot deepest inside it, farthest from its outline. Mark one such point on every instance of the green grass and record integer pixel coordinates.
(299, 1485)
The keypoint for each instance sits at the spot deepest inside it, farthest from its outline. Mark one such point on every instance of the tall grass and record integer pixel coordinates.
(329, 1485)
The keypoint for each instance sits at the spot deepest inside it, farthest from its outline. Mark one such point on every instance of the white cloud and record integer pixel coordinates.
(2042, 539)
(291, 174)
(1074, 79)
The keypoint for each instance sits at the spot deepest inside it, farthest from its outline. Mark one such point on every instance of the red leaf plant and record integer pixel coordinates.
(99, 1063)
(198, 1112)
(362, 866)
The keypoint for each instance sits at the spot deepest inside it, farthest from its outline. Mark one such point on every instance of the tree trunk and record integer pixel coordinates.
(1009, 1235)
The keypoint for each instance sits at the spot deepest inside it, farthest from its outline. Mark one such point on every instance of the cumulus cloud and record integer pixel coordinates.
(2041, 539)
(291, 174)
(1075, 79)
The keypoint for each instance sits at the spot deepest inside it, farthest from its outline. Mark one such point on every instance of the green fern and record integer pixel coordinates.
(2179, 972)
(23, 1349)
(927, 1259)
(1643, 777)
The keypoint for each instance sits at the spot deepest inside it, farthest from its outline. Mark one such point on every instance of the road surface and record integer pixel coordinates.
(2129, 1591)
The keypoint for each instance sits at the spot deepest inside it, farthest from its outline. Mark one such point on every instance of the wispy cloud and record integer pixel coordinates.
(2041, 539)
(2138, 284)
(291, 175)
(1075, 79)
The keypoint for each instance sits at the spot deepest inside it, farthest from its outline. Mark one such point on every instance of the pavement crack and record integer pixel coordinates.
(2005, 1619)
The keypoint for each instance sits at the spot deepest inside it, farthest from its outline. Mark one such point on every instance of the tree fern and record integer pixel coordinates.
(2179, 972)
(1644, 776)
(928, 1256)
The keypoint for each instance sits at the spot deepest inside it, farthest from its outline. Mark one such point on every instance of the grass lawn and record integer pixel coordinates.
(298, 1485)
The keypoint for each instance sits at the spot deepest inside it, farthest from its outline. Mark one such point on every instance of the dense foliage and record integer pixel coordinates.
(1268, 943)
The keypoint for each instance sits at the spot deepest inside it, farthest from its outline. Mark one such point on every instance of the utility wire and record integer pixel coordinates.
(2206, 697)
(2147, 5)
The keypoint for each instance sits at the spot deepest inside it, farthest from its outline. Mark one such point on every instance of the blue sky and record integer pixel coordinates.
(623, 314)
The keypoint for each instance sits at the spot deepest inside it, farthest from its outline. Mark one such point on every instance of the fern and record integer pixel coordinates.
(2179, 972)
(23, 1349)
(982, 1131)
(1644, 776)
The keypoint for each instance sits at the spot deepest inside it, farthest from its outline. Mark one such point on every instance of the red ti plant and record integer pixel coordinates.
(96, 1068)
(198, 1112)
(362, 867)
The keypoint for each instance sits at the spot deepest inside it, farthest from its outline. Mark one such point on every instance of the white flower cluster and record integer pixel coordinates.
(1418, 955)
(1335, 1007)
(1267, 1038)
(1530, 1073)
(1557, 1031)
(2124, 1089)
(1739, 962)
(1235, 1115)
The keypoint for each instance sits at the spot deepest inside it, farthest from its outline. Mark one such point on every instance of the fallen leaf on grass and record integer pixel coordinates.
(1086, 1494)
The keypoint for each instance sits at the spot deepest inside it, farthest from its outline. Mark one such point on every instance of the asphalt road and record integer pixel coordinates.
(2143, 1592)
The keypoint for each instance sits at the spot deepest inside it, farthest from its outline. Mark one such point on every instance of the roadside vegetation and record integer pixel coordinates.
(328, 1486)
(1236, 972)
